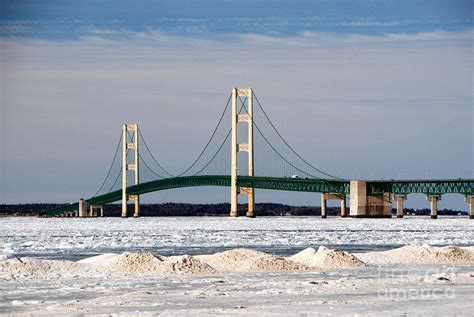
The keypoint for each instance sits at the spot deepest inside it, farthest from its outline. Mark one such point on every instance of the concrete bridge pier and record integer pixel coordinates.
(251, 203)
(93, 210)
(327, 196)
(82, 207)
(363, 205)
(323, 206)
(343, 207)
(136, 205)
(400, 200)
(470, 201)
(433, 199)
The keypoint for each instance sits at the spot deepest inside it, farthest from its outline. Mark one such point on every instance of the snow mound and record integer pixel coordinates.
(251, 261)
(186, 264)
(133, 262)
(419, 254)
(37, 268)
(327, 258)
(146, 262)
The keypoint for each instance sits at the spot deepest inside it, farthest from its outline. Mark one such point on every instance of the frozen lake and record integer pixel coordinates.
(76, 238)
(37, 286)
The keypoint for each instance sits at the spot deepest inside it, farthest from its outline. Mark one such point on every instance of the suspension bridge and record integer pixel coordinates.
(270, 163)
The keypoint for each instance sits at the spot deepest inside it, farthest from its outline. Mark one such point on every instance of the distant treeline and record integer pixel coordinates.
(180, 210)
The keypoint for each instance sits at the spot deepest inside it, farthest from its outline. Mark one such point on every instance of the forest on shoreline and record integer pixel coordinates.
(187, 210)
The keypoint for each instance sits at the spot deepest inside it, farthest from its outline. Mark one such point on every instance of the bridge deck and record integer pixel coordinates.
(398, 187)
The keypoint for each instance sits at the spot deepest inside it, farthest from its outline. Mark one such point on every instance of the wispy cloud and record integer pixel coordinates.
(73, 28)
(438, 35)
(365, 23)
(306, 39)
(156, 37)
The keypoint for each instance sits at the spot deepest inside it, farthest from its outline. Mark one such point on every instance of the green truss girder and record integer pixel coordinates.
(428, 187)
(432, 187)
(295, 184)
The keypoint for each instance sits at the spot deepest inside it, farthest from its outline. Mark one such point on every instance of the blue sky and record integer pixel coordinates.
(73, 19)
(390, 80)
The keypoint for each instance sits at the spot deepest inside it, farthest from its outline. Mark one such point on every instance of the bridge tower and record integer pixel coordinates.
(245, 147)
(130, 145)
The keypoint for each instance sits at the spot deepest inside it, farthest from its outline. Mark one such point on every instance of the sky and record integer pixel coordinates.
(362, 89)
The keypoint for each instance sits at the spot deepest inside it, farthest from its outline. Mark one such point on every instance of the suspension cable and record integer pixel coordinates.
(215, 154)
(275, 150)
(111, 165)
(116, 179)
(220, 147)
(153, 157)
(209, 141)
(144, 162)
(292, 150)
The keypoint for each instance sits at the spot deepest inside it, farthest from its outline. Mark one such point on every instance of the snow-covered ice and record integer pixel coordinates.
(75, 237)
(383, 267)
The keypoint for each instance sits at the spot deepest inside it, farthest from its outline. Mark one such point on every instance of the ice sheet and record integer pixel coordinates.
(66, 238)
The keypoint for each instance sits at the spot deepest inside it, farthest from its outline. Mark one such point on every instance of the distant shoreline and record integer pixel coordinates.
(189, 210)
